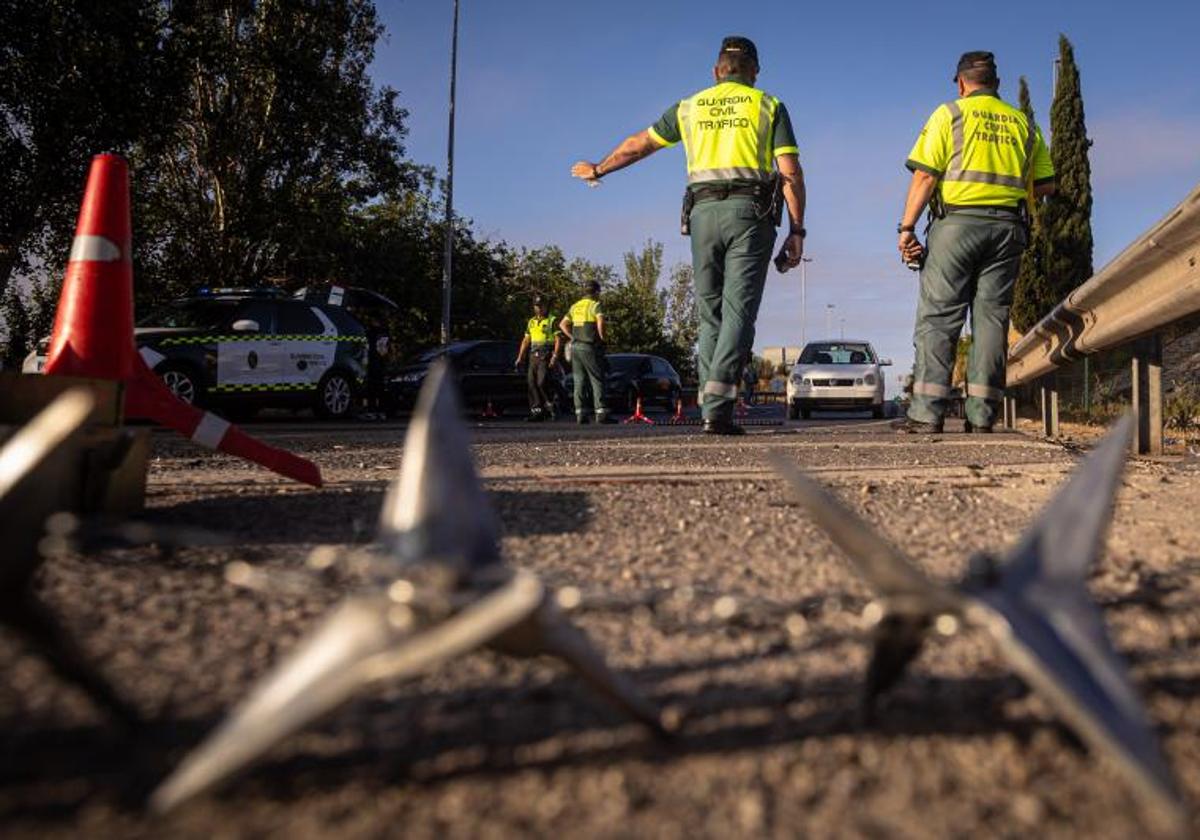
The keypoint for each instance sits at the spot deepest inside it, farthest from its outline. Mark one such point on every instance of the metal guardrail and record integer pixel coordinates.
(1152, 284)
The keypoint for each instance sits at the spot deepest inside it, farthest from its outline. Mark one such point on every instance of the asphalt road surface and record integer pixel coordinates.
(767, 684)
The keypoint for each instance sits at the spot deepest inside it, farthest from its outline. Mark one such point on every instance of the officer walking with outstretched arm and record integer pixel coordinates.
(583, 325)
(541, 340)
(735, 136)
(978, 163)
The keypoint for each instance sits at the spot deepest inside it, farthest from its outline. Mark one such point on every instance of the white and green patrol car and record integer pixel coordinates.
(242, 350)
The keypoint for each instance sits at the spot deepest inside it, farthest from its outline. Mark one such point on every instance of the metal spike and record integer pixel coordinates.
(36, 467)
(436, 518)
(1054, 635)
(437, 510)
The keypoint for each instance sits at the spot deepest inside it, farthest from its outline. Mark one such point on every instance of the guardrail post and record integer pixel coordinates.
(1010, 411)
(1049, 389)
(1148, 395)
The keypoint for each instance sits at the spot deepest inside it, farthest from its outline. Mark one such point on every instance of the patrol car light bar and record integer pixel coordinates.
(1151, 284)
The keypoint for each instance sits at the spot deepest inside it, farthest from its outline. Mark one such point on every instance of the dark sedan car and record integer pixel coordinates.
(485, 373)
(633, 375)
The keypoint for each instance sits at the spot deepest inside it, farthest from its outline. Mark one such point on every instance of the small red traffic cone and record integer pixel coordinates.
(638, 416)
(489, 413)
(93, 327)
(678, 417)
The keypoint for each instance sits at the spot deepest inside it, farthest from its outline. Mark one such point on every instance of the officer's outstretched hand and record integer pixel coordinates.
(586, 170)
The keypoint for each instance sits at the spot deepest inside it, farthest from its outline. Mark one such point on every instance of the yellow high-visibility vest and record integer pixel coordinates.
(583, 320)
(726, 133)
(540, 331)
(983, 151)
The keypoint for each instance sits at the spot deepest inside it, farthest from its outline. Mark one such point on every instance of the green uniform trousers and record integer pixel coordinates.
(588, 369)
(973, 260)
(731, 250)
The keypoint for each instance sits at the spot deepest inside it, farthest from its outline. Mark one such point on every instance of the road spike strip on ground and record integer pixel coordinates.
(436, 508)
(1037, 608)
(435, 515)
(365, 640)
(93, 327)
(1054, 635)
(31, 465)
(638, 416)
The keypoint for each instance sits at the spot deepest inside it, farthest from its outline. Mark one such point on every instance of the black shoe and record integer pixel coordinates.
(971, 429)
(535, 417)
(606, 419)
(581, 419)
(722, 427)
(909, 426)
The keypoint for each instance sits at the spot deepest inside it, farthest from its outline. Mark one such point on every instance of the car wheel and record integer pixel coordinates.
(877, 412)
(335, 396)
(183, 382)
(793, 411)
(806, 413)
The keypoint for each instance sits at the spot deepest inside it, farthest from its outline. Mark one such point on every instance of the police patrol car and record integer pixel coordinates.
(246, 349)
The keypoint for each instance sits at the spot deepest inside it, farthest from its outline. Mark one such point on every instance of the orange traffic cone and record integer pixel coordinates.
(489, 412)
(638, 416)
(678, 417)
(93, 327)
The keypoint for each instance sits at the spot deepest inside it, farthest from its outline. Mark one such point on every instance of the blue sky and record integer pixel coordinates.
(543, 83)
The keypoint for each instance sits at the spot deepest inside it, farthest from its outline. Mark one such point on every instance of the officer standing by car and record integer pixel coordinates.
(583, 325)
(978, 163)
(735, 136)
(541, 341)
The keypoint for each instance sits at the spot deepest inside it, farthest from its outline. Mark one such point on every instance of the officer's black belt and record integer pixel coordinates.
(713, 193)
(1005, 209)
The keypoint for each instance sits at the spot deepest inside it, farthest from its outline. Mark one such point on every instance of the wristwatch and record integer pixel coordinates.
(903, 228)
(798, 231)
(596, 173)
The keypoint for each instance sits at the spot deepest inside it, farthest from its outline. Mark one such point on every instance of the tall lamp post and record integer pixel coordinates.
(829, 320)
(803, 301)
(448, 258)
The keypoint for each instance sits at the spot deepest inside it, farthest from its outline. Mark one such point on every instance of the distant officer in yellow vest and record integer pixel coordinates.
(583, 325)
(977, 164)
(541, 341)
(735, 137)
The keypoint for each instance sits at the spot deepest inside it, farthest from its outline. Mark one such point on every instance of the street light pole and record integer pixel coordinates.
(448, 258)
(829, 320)
(803, 301)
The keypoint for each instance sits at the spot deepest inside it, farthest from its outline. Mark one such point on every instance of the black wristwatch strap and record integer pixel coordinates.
(798, 231)
(903, 228)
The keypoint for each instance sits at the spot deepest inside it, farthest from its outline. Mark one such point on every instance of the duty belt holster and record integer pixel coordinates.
(685, 213)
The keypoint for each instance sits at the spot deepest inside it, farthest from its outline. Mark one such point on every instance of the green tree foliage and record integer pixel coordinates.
(28, 316)
(281, 137)
(1032, 296)
(683, 321)
(78, 77)
(1068, 213)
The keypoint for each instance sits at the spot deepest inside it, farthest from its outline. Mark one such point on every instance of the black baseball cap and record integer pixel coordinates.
(738, 44)
(591, 287)
(973, 60)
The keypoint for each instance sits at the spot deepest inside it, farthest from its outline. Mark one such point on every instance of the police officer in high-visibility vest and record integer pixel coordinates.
(741, 156)
(978, 164)
(583, 325)
(541, 341)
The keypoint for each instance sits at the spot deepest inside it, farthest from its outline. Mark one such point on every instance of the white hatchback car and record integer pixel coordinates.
(841, 375)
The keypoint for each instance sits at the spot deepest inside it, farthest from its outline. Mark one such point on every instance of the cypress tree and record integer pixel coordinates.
(1032, 297)
(1067, 217)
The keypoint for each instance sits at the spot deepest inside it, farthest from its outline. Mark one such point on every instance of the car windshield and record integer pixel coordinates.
(624, 365)
(837, 353)
(191, 314)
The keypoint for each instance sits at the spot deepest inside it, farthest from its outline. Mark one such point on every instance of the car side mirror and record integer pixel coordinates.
(885, 362)
(245, 325)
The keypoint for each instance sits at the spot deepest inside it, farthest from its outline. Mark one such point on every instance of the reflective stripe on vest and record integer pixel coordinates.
(980, 136)
(540, 330)
(726, 133)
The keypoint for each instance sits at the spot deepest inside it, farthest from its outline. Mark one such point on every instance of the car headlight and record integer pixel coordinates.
(869, 379)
